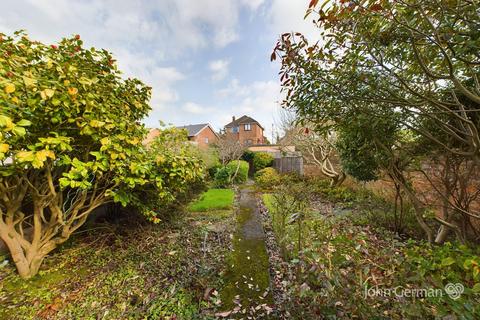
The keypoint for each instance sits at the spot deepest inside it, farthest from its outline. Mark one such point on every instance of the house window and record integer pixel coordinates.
(248, 127)
(206, 140)
(235, 129)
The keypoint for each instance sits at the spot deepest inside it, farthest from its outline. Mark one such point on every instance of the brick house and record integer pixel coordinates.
(201, 135)
(246, 130)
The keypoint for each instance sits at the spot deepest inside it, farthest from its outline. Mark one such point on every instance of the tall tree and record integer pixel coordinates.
(415, 60)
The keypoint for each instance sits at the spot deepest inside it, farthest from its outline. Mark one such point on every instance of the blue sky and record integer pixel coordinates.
(205, 59)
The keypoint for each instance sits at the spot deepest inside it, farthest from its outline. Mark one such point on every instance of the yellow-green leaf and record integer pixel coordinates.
(42, 155)
(6, 122)
(96, 124)
(105, 141)
(4, 147)
(25, 156)
(9, 88)
(29, 82)
(47, 93)
(19, 131)
(24, 123)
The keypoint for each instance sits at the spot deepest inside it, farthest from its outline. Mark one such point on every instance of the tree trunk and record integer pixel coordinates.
(17, 253)
(442, 234)
(27, 257)
(417, 204)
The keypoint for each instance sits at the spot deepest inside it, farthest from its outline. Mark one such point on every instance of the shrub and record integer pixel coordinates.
(229, 174)
(71, 141)
(427, 266)
(248, 155)
(267, 178)
(222, 177)
(241, 175)
(262, 160)
(174, 160)
(212, 171)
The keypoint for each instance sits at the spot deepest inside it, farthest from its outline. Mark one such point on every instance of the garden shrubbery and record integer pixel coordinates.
(267, 178)
(262, 160)
(71, 141)
(235, 172)
(333, 261)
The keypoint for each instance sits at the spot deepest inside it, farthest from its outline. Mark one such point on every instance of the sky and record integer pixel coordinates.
(206, 60)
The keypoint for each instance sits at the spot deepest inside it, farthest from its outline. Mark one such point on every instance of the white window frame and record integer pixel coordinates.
(247, 127)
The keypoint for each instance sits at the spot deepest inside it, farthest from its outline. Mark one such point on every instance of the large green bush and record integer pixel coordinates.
(262, 160)
(267, 178)
(177, 162)
(222, 177)
(71, 141)
(235, 172)
(240, 175)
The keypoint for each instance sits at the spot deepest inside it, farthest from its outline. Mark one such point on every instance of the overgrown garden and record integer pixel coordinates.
(388, 97)
(384, 105)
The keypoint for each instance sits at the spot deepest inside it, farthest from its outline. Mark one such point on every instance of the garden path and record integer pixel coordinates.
(247, 281)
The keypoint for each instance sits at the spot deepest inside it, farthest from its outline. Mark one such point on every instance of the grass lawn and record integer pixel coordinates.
(213, 199)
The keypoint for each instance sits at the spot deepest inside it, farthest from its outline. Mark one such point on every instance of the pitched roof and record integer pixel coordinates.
(194, 129)
(242, 119)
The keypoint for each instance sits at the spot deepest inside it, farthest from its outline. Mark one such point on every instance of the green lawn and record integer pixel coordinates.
(213, 199)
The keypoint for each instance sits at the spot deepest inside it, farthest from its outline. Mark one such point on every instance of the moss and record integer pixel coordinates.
(132, 273)
(247, 275)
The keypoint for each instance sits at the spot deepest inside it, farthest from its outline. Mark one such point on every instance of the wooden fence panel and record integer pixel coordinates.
(289, 164)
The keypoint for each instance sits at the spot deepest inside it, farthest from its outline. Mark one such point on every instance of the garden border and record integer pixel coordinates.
(277, 265)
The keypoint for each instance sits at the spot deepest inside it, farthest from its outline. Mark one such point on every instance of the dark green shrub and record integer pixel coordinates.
(212, 171)
(267, 178)
(222, 177)
(262, 160)
(248, 155)
(427, 266)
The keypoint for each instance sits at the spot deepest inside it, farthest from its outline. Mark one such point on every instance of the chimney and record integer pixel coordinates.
(233, 118)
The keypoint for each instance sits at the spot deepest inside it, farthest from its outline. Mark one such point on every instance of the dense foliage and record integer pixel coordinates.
(400, 87)
(172, 162)
(345, 265)
(235, 172)
(71, 141)
(262, 160)
(364, 145)
(267, 178)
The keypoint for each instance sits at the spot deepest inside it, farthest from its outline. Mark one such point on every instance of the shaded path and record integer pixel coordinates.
(247, 280)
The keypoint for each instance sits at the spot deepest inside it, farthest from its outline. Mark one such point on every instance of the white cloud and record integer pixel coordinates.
(194, 108)
(219, 69)
(158, 41)
(253, 4)
(288, 16)
(171, 27)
